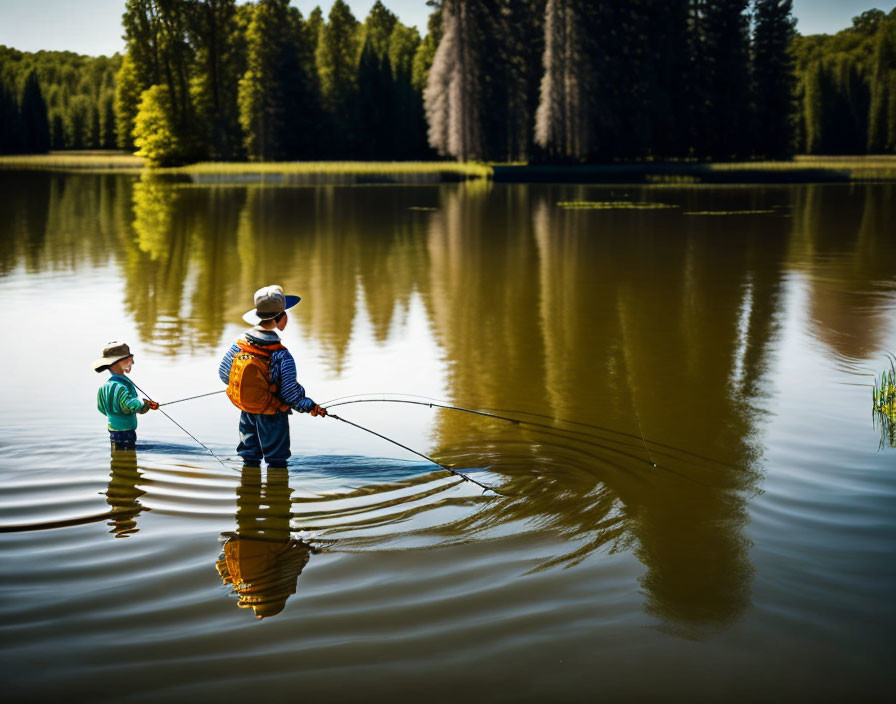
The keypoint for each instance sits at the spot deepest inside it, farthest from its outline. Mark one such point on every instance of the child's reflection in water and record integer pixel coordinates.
(261, 560)
(123, 494)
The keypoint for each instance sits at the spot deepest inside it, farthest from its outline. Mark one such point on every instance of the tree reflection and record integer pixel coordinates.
(626, 322)
(845, 243)
(261, 561)
(589, 340)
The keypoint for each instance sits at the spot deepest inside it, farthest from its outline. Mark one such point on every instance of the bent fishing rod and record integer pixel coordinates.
(419, 454)
(515, 421)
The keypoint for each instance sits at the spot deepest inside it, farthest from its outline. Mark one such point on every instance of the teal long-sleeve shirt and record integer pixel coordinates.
(117, 400)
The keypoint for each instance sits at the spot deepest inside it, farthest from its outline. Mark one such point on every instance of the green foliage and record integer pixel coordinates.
(35, 129)
(881, 127)
(378, 28)
(109, 136)
(61, 77)
(277, 98)
(884, 404)
(644, 79)
(774, 82)
(127, 99)
(844, 87)
(155, 134)
(77, 119)
(336, 57)
(219, 56)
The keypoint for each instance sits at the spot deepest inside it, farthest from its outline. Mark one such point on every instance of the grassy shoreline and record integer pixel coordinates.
(803, 169)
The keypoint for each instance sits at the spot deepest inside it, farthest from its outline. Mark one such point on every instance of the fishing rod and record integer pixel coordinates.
(190, 398)
(515, 421)
(419, 454)
(183, 428)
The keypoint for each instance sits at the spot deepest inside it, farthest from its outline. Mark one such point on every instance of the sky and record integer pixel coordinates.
(93, 27)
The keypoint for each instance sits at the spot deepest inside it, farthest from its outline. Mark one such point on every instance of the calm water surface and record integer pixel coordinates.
(738, 329)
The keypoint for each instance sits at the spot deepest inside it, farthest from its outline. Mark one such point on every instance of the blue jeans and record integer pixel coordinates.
(123, 439)
(264, 436)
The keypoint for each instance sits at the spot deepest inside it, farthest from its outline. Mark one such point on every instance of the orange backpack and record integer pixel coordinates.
(249, 386)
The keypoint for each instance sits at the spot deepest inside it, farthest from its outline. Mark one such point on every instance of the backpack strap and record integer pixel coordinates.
(265, 351)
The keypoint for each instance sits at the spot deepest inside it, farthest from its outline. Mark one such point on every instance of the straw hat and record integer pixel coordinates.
(112, 353)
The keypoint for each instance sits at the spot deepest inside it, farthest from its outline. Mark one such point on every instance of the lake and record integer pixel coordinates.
(698, 505)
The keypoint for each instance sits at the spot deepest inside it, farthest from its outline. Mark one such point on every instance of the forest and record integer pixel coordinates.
(542, 81)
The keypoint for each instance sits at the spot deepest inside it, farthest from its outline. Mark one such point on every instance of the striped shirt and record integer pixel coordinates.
(283, 370)
(117, 400)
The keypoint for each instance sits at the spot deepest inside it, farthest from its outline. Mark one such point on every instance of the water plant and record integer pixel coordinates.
(612, 205)
(884, 398)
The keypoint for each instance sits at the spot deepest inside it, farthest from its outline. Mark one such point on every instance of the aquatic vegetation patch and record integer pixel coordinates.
(729, 212)
(612, 205)
(884, 399)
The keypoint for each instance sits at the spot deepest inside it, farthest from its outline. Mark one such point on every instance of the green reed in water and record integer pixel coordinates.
(884, 396)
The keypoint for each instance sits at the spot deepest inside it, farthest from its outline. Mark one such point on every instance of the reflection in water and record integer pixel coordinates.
(844, 246)
(612, 319)
(554, 316)
(261, 561)
(123, 493)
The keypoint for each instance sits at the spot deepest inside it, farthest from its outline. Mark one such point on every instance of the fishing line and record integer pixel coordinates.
(515, 421)
(419, 454)
(190, 398)
(641, 433)
(183, 428)
(364, 398)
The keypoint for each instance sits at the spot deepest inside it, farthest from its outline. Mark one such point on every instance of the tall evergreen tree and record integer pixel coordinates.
(57, 131)
(409, 121)
(35, 123)
(376, 87)
(375, 103)
(337, 57)
(666, 77)
(127, 99)
(378, 28)
(511, 45)
(881, 125)
(773, 78)
(220, 61)
(77, 122)
(156, 32)
(451, 97)
(94, 130)
(726, 53)
(814, 95)
(107, 117)
(9, 120)
(276, 100)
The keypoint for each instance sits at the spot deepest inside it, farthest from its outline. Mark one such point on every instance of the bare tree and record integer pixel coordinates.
(451, 96)
(562, 119)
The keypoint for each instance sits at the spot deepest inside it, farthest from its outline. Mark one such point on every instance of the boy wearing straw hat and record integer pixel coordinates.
(117, 399)
(260, 374)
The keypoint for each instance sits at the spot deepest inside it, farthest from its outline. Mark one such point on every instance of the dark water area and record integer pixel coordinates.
(737, 329)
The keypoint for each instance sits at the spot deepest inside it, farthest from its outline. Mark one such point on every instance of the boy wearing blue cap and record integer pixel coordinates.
(117, 399)
(260, 374)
